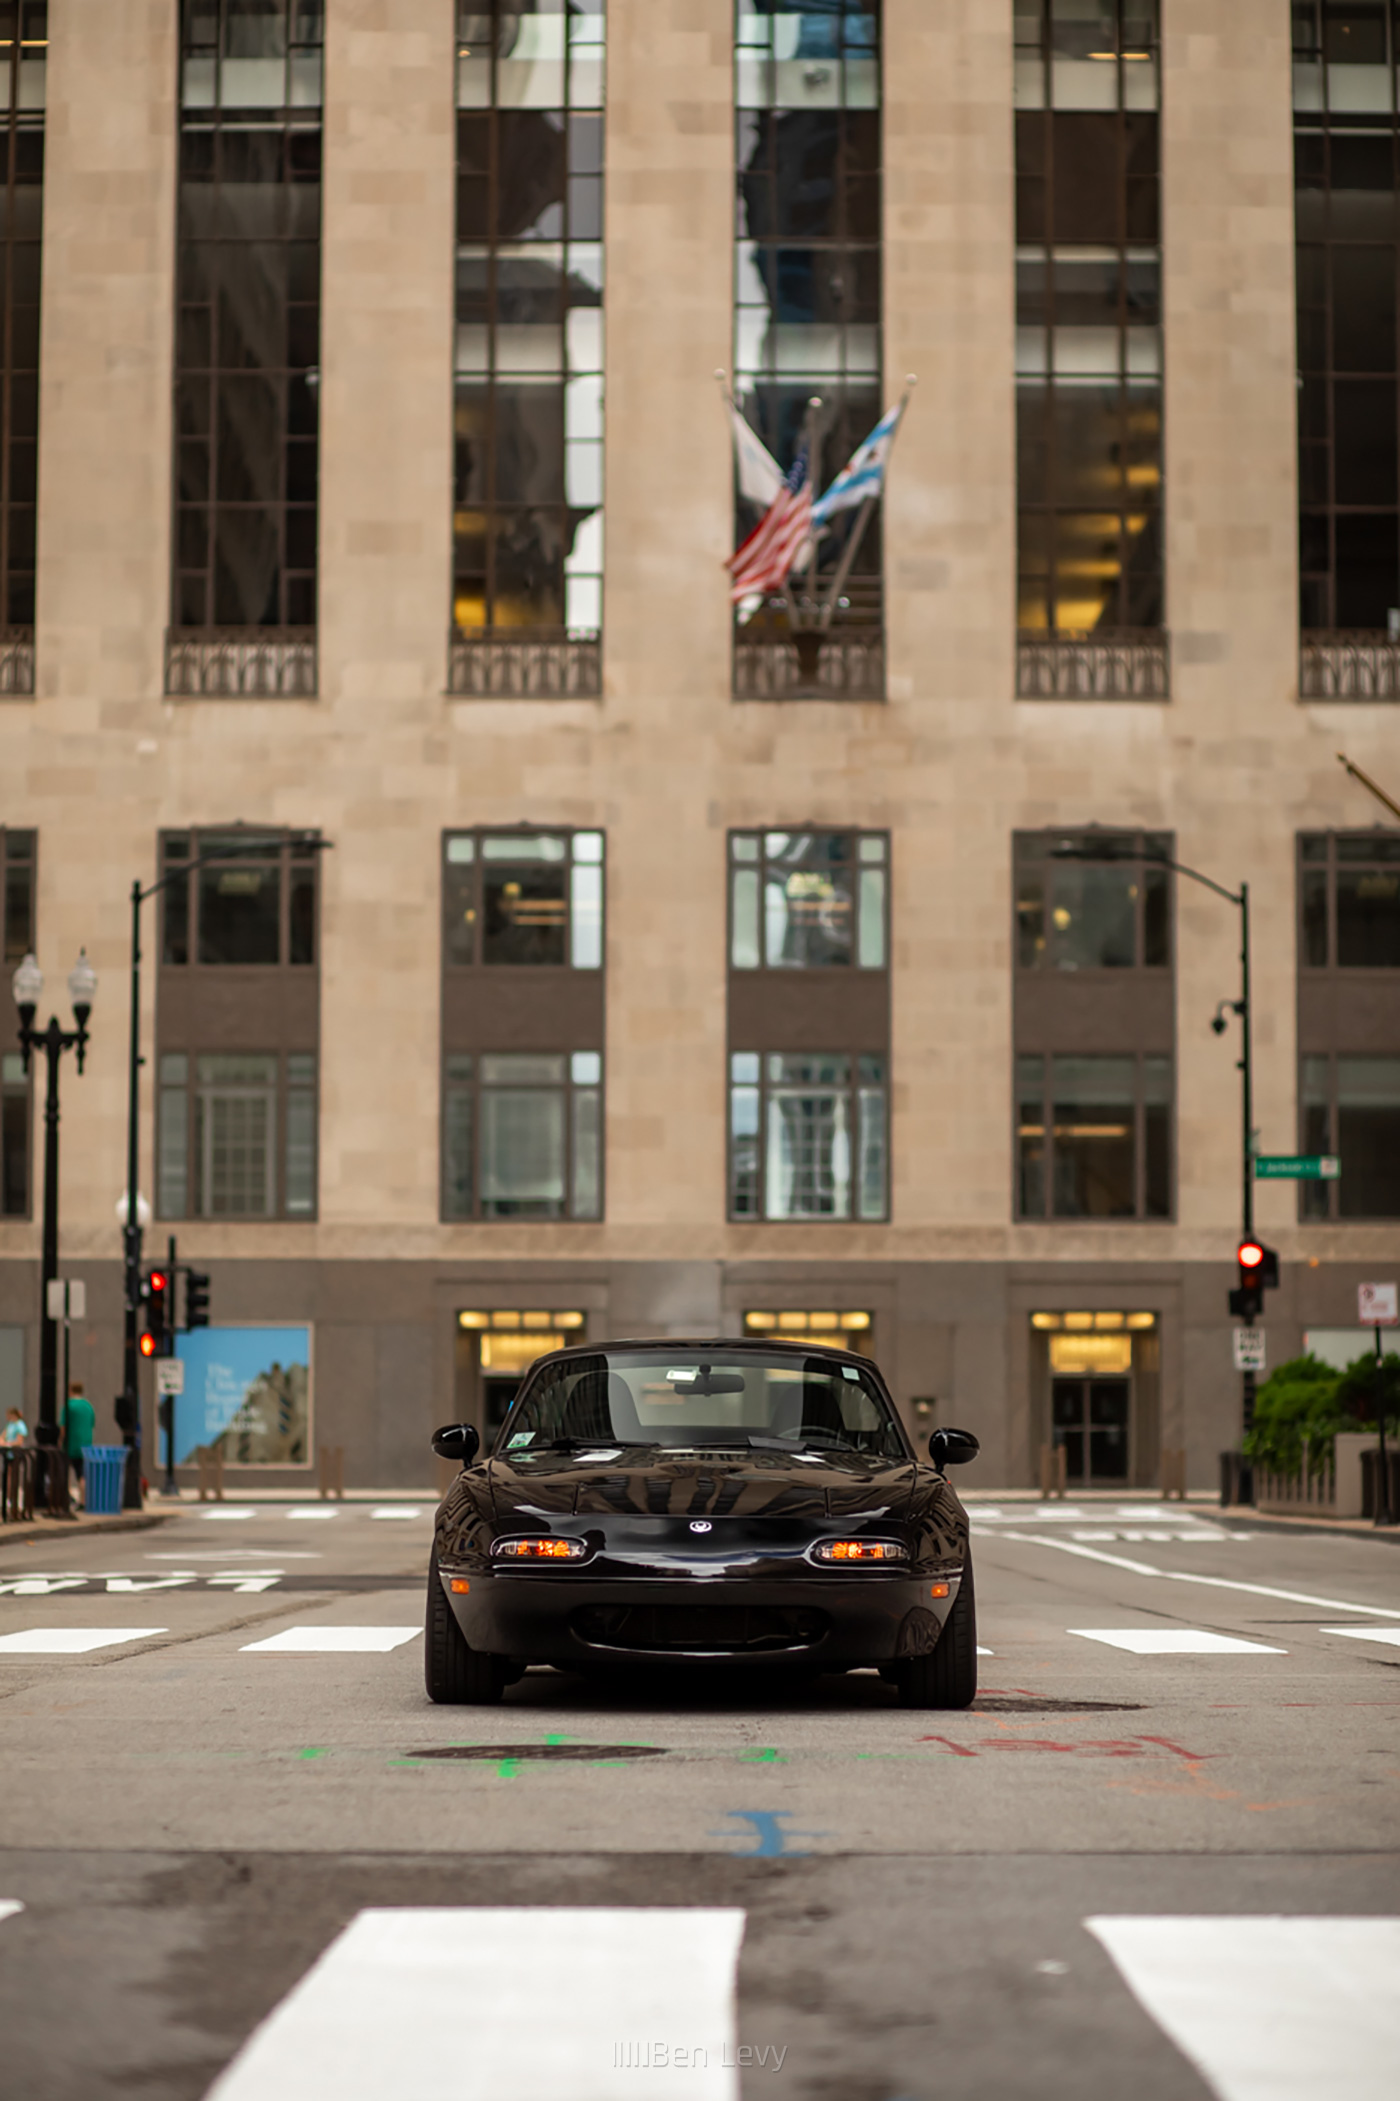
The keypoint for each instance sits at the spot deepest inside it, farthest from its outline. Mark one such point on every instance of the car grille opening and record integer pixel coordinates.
(733, 1630)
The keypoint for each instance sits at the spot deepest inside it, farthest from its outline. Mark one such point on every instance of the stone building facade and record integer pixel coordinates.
(99, 762)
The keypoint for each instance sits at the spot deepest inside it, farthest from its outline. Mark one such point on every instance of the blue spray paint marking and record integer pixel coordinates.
(770, 1839)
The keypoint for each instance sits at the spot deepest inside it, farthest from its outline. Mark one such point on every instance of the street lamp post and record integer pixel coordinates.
(53, 1041)
(1110, 849)
(132, 1205)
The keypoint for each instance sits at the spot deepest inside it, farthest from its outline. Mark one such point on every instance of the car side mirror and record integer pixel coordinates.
(459, 1441)
(952, 1448)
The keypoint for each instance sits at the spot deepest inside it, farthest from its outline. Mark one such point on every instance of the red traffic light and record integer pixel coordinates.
(149, 1345)
(158, 1280)
(1250, 1255)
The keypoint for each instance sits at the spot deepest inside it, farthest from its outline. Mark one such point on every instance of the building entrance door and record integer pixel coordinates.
(1091, 1420)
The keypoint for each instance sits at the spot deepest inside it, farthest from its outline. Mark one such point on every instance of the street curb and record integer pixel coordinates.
(1326, 1527)
(83, 1528)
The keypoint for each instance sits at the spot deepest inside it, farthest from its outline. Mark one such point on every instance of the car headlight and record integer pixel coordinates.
(538, 1550)
(866, 1550)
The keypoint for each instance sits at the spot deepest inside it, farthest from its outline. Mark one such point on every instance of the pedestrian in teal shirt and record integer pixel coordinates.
(80, 1427)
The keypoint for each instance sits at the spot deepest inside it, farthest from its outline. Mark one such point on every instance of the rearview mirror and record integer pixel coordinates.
(952, 1447)
(459, 1441)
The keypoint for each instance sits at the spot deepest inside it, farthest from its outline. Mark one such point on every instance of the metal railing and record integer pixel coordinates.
(523, 663)
(840, 663)
(1348, 664)
(241, 663)
(16, 661)
(1110, 664)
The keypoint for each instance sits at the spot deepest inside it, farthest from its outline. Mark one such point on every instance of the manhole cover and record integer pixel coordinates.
(501, 1751)
(998, 1706)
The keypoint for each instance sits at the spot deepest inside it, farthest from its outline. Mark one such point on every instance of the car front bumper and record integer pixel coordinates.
(576, 1620)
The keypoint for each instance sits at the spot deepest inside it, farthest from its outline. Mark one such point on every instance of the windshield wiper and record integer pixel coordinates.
(596, 1444)
(804, 1441)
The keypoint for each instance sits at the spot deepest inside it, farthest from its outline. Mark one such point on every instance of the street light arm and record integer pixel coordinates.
(309, 842)
(1154, 860)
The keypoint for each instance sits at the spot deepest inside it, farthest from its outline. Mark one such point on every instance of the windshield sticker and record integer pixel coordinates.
(848, 1371)
(686, 1373)
(521, 1437)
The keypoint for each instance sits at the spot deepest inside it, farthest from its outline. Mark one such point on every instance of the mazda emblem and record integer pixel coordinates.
(700, 1524)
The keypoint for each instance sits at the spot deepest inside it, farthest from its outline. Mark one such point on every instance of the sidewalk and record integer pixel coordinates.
(49, 1531)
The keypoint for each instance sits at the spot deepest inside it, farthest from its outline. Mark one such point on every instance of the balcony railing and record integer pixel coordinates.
(839, 663)
(241, 663)
(1110, 664)
(523, 663)
(1348, 664)
(16, 661)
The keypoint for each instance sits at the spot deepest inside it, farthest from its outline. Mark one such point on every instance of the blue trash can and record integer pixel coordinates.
(104, 1473)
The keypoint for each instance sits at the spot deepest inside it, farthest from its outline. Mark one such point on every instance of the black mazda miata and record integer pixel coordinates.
(702, 1503)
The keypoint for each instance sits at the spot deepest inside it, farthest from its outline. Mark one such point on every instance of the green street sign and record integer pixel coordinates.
(1297, 1167)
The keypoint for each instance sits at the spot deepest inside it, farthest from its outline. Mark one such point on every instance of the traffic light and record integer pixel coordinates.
(1258, 1266)
(196, 1299)
(155, 1298)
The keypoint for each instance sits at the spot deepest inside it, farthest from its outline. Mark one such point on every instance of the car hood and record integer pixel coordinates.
(650, 1481)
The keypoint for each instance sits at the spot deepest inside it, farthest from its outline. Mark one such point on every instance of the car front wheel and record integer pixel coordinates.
(947, 1678)
(456, 1675)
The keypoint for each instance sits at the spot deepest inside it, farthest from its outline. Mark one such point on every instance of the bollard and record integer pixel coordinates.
(332, 1458)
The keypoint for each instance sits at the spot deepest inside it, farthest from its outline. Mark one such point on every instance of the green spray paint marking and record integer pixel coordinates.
(315, 1751)
(508, 1769)
(765, 1756)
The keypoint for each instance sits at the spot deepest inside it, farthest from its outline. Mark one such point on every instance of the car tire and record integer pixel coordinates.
(948, 1677)
(455, 1674)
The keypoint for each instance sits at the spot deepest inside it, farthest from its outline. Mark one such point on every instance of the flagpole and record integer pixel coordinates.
(857, 532)
(809, 438)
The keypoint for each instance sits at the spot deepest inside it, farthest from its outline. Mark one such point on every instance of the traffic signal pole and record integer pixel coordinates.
(1245, 1488)
(129, 1403)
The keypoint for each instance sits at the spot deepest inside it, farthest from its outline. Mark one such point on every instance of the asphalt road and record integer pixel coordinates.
(193, 1819)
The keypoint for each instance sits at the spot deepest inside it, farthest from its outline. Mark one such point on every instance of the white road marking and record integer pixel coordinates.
(986, 1652)
(1174, 1641)
(71, 1641)
(1181, 1575)
(312, 1512)
(1388, 1634)
(1270, 2009)
(448, 2001)
(227, 1514)
(397, 1510)
(40, 1586)
(335, 1641)
(9, 1906)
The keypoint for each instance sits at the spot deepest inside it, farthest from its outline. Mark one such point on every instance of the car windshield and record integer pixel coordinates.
(705, 1397)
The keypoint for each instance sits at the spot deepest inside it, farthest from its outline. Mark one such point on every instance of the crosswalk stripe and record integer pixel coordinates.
(334, 1641)
(9, 1906)
(1270, 2009)
(448, 2001)
(1174, 1641)
(228, 1514)
(1386, 1634)
(71, 1641)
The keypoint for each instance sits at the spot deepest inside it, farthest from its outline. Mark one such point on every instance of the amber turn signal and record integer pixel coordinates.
(539, 1550)
(460, 1585)
(940, 1590)
(860, 1550)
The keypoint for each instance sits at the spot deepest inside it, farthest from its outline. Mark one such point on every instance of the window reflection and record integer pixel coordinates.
(1094, 1136)
(1348, 251)
(1088, 340)
(528, 413)
(248, 315)
(808, 1136)
(1109, 914)
(807, 311)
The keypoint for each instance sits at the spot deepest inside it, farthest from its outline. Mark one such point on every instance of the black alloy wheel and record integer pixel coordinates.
(455, 1674)
(947, 1678)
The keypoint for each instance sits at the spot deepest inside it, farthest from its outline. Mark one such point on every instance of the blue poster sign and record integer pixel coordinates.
(247, 1393)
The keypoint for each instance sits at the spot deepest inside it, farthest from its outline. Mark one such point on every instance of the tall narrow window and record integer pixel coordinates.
(1094, 1025)
(237, 1026)
(17, 872)
(522, 1024)
(1349, 1020)
(1088, 351)
(527, 525)
(807, 317)
(23, 50)
(247, 349)
(1348, 233)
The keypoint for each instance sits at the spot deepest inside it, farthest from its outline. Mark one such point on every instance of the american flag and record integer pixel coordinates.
(762, 563)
